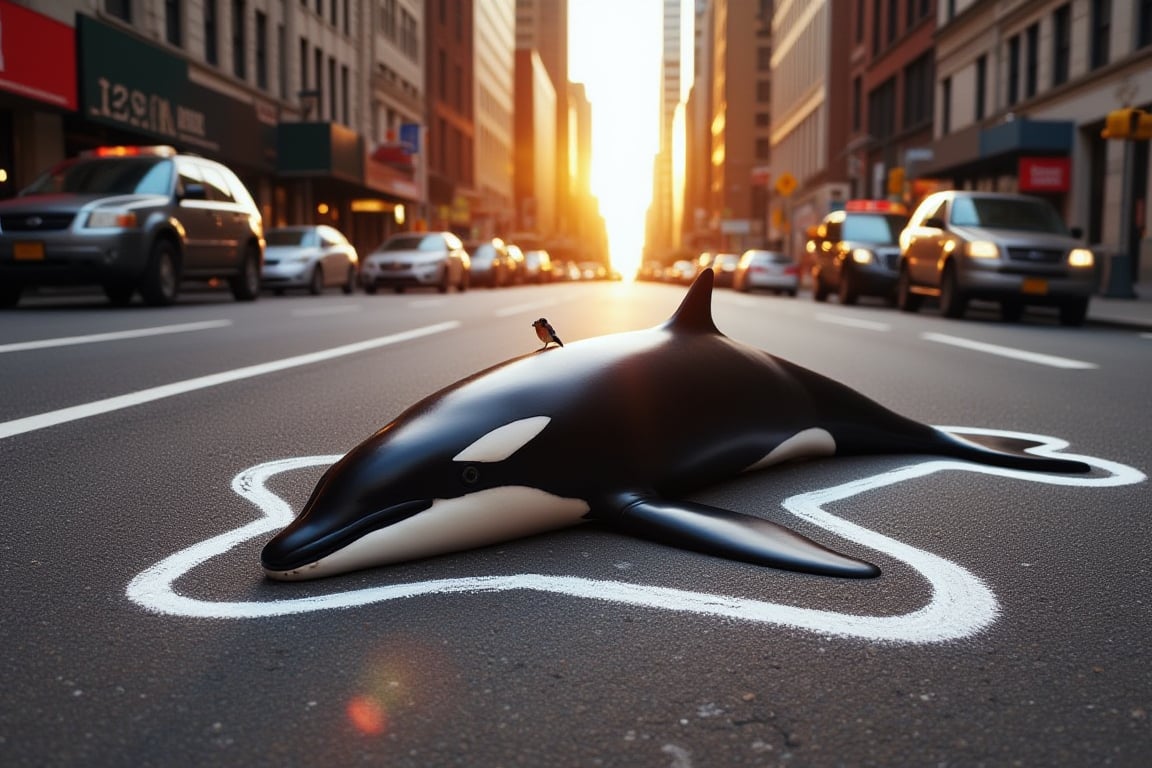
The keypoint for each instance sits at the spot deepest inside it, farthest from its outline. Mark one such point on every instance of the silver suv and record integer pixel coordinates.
(132, 219)
(1010, 248)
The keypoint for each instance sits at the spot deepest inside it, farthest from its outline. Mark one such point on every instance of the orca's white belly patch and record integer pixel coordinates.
(807, 444)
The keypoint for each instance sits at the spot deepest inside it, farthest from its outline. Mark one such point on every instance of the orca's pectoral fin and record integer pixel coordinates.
(723, 533)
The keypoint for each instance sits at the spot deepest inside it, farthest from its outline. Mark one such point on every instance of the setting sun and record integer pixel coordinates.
(614, 50)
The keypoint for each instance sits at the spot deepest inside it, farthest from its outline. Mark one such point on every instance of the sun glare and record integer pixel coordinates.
(614, 50)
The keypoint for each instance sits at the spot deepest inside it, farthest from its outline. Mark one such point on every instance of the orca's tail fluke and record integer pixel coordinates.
(956, 446)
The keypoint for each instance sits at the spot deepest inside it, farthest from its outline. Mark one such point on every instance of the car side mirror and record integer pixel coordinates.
(194, 192)
(935, 222)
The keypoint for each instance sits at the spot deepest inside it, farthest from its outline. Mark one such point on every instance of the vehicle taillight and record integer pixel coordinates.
(130, 151)
(792, 269)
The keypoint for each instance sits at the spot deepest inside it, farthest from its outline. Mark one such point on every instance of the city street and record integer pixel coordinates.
(150, 453)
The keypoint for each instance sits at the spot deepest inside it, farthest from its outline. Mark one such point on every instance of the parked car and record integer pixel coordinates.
(413, 259)
(760, 269)
(132, 219)
(310, 257)
(537, 266)
(680, 271)
(856, 251)
(516, 267)
(724, 268)
(1010, 248)
(491, 263)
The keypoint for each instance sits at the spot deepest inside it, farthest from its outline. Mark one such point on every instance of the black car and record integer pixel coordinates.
(856, 251)
(132, 219)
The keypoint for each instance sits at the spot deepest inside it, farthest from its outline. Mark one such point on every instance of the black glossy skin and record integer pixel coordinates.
(621, 439)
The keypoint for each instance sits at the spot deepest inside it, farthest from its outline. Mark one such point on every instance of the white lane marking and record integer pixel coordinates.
(156, 330)
(852, 322)
(1017, 354)
(331, 309)
(961, 603)
(52, 418)
(1146, 335)
(519, 309)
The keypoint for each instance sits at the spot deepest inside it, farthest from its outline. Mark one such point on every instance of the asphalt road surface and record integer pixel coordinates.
(149, 454)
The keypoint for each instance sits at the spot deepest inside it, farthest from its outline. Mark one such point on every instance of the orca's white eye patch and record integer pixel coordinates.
(503, 441)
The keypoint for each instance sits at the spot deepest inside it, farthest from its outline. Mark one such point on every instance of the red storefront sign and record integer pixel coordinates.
(1044, 174)
(37, 56)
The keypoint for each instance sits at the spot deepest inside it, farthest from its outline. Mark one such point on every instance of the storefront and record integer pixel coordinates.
(36, 91)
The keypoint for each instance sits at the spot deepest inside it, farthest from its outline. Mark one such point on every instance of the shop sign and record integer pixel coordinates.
(37, 56)
(1044, 174)
(131, 84)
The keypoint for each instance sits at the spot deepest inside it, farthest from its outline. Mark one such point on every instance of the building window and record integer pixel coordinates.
(1031, 60)
(764, 59)
(763, 91)
(763, 149)
(857, 106)
(344, 95)
(893, 19)
(1101, 31)
(121, 9)
(877, 9)
(1013, 69)
(1061, 44)
(859, 21)
(347, 21)
(211, 53)
(303, 64)
(1144, 24)
(946, 106)
(261, 33)
(388, 19)
(282, 62)
(239, 49)
(318, 83)
(174, 22)
(919, 81)
(882, 110)
(981, 86)
(332, 89)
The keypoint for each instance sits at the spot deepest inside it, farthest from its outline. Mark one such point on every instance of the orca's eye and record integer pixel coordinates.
(471, 475)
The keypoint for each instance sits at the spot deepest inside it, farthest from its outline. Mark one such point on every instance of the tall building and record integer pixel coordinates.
(665, 217)
(494, 211)
(542, 25)
(449, 96)
(536, 155)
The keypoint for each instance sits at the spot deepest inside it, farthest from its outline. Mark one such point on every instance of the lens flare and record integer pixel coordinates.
(367, 715)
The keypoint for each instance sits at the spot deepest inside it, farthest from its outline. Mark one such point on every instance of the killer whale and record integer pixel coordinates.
(600, 430)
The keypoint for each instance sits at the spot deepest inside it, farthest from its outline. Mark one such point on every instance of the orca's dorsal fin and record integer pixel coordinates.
(694, 314)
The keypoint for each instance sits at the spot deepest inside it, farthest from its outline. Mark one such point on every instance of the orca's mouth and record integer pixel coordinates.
(307, 539)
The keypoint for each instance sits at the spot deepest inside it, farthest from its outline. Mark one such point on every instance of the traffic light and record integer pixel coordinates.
(1127, 123)
(896, 181)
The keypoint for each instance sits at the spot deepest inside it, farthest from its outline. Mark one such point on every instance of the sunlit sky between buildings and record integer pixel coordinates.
(614, 50)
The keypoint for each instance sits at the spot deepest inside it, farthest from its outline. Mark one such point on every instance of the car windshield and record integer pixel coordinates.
(873, 227)
(413, 243)
(107, 176)
(288, 237)
(1019, 214)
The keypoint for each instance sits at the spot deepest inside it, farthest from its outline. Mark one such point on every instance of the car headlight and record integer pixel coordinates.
(983, 249)
(862, 256)
(1081, 257)
(112, 219)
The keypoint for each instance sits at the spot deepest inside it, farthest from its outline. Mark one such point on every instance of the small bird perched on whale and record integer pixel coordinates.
(546, 333)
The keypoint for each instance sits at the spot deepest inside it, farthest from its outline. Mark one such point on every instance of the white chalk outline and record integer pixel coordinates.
(961, 603)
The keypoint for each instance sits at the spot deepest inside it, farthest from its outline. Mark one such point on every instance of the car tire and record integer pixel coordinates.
(846, 292)
(953, 302)
(119, 294)
(349, 286)
(820, 289)
(1074, 311)
(792, 293)
(161, 282)
(370, 289)
(10, 295)
(445, 280)
(907, 301)
(316, 281)
(465, 280)
(246, 285)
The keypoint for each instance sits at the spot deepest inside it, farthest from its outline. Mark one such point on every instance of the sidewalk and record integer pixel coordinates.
(1135, 312)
